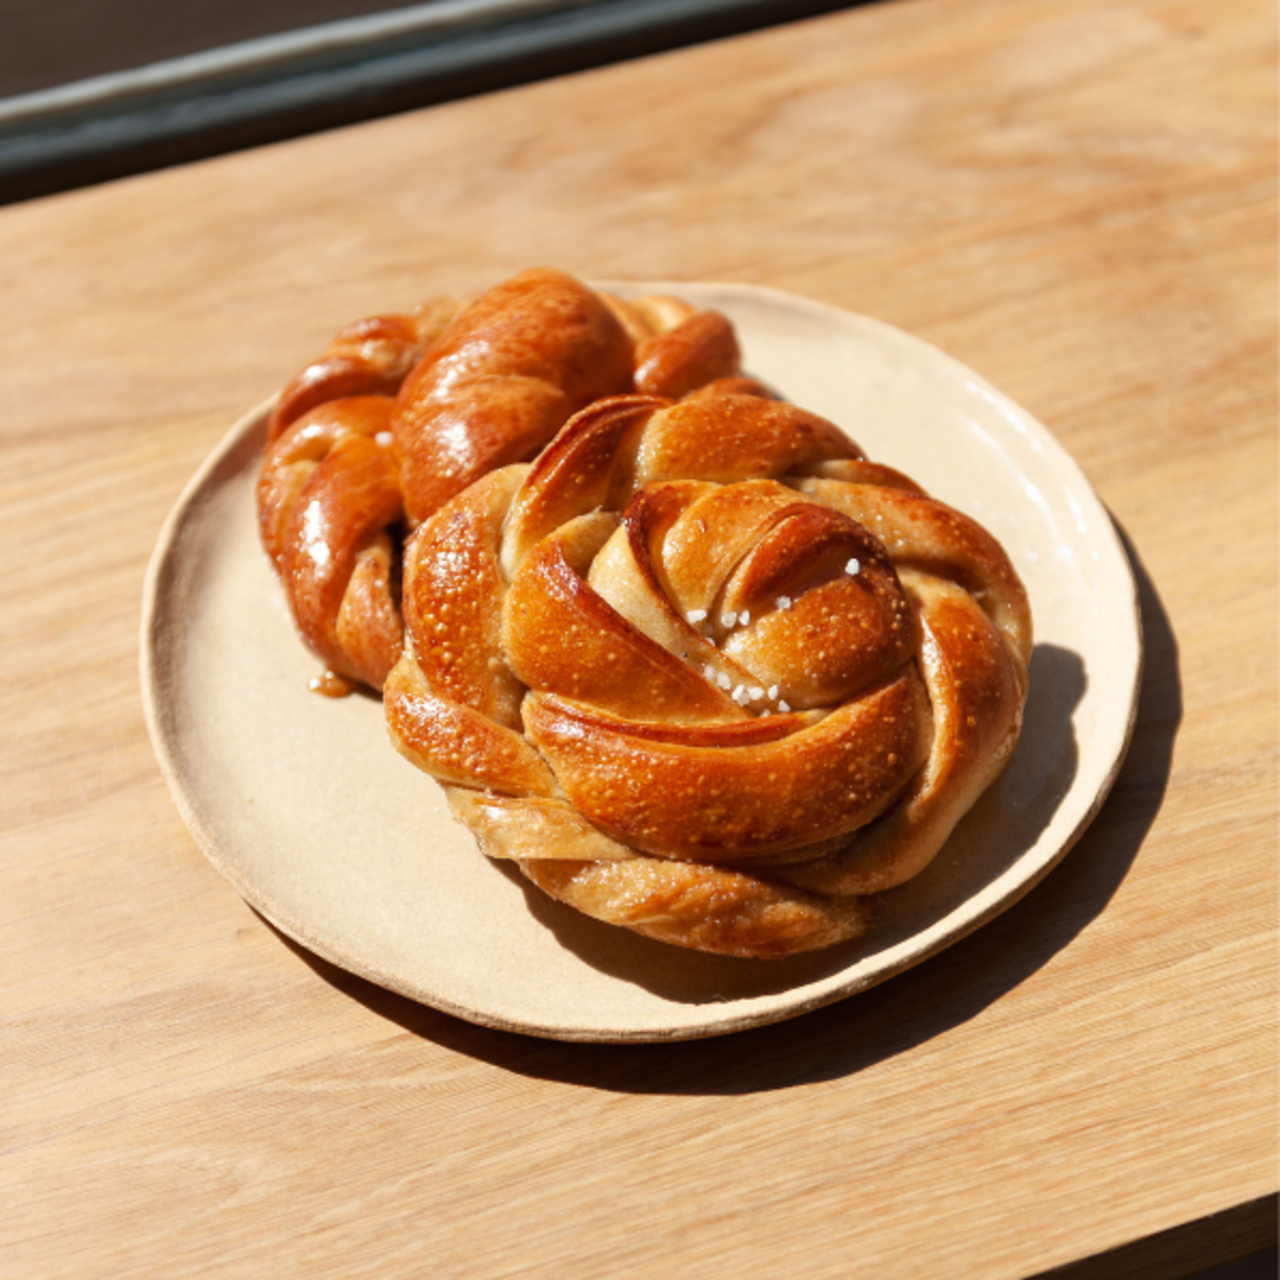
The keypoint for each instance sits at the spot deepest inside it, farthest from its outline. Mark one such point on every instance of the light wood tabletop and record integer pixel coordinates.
(1076, 199)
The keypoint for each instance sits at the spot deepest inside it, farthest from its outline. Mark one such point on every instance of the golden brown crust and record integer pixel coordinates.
(370, 357)
(759, 690)
(704, 795)
(704, 908)
(699, 350)
(329, 501)
(502, 380)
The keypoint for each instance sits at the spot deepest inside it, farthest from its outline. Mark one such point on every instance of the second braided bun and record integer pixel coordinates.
(404, 411)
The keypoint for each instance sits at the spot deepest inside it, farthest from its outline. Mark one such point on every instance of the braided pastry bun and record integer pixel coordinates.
(703, 671)
(404, 411)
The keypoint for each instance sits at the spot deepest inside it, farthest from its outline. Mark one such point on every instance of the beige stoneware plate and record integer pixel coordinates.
(301, 802)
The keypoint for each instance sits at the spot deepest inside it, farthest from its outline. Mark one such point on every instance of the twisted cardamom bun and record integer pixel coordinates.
(705, 672)
(404, 411)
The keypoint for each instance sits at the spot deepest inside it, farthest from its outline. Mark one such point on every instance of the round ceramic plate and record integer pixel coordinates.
(301, 802)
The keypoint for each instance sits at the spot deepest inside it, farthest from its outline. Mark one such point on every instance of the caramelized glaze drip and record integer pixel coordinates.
(330, 685)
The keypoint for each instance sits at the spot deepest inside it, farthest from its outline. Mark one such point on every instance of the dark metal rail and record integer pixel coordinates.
(321, 77)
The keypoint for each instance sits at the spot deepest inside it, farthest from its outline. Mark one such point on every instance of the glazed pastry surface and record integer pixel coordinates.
(703, 671)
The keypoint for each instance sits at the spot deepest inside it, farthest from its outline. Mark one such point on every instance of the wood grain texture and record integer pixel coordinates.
(1076, 199)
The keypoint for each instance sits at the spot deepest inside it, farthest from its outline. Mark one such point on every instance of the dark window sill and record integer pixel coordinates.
(317, 78)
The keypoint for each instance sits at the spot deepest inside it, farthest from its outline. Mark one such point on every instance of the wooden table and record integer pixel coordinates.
(1077, 199)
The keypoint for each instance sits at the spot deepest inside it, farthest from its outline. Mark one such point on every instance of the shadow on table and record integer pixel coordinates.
(913, 1007)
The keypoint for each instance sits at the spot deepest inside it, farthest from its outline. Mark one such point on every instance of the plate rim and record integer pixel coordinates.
(834, 987)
